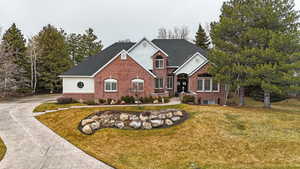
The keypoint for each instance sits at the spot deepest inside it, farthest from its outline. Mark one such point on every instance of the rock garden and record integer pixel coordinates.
(145, 120)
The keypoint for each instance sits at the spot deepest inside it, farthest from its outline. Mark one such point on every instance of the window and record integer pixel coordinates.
(137, 85)
(159, 62)
(215, 86)
(170, 82)
(80, 85)
(200, 84)
(110, 85)
(205, 84)
(159, 83)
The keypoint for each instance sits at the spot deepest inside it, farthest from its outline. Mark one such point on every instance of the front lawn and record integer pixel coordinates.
(54, 106)
(214, 137)
(2, 149)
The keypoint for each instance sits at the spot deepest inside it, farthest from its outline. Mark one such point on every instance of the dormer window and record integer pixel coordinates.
(159, 62)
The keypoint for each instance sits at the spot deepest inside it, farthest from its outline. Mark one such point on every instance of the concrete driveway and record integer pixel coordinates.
(31, 145)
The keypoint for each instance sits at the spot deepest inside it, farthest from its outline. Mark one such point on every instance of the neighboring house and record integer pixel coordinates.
(162, 67)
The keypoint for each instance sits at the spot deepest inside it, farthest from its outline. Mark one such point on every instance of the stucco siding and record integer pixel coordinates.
(70, 85)
(142, 54)
(191, 65)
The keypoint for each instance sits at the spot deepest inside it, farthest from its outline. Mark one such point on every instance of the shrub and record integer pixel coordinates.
(258, 94)
(188, 99)
(108, 101)
(65, 100)
(167, 99)
(101, 101)
(24, 90)
(128, 99)
(90, 102)
(147, 99)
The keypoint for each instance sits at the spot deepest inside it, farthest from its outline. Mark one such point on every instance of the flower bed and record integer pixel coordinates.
(131, 120)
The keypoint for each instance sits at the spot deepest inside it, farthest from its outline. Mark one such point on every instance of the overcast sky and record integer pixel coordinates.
(112, 20)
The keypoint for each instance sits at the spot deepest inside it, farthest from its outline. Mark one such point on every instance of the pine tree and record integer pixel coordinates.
(14, 40)
(82, 46)
(257, 43)
(90, 44)
(202, 40)
(52, 59)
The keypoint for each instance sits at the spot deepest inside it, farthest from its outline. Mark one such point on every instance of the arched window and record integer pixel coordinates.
(110, 85)
(137, 85)
(159, 62)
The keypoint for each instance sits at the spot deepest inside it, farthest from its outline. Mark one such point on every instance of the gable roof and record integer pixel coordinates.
(179, 50)
(93, 63)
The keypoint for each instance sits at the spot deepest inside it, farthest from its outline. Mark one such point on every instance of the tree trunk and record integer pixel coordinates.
(242, 96)
(227, 90)
(267, 100)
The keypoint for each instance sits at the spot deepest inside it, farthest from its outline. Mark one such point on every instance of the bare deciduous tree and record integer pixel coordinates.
(33, 53)
(7, 71)
(162, 33)
(177, 33)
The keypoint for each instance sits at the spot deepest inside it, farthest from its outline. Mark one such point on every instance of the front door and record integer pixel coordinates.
(182, 83)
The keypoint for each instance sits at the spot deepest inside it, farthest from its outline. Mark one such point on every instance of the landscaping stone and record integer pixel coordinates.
(87, 129)
(124, 116)
(135, 124)
(120, 124)
(169, 115)
(95, 125)
(123, 102)
(169, 122)
(133, 117)
(178, 113)
(155, 102)
(162, 116)
(153, 116)
(86, 121)
(147, 125)
(175, 118)
(157, 123)
(144, 118)
(131, 120)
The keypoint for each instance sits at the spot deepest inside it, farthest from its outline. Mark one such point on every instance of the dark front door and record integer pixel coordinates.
(182, 83)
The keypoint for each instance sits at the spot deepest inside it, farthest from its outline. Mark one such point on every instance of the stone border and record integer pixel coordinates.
(129, 120)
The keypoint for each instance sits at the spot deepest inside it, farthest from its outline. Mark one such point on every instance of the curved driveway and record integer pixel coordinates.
(31, 145)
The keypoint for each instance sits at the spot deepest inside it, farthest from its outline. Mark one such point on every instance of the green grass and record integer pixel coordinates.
(214, 137)
(54, 106)
(2, 149)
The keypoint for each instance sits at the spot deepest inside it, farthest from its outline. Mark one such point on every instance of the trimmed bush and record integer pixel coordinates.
(147, 99)
(188, 99)
(64, 100)
(102, 101)
(167, 99)
(128, 99)
(90, 102)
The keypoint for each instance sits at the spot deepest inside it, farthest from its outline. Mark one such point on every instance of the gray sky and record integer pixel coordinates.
(112, 20)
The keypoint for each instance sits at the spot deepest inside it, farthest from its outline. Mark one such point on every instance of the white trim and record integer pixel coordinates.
(172, 80)
(162, 83)
(199, 67)
(203, 85)
(66, 76)
(163, 62)
(172, 66)
(138, 80)
(151, 43)
(110, 81)
(115, 57)
(186, 62)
